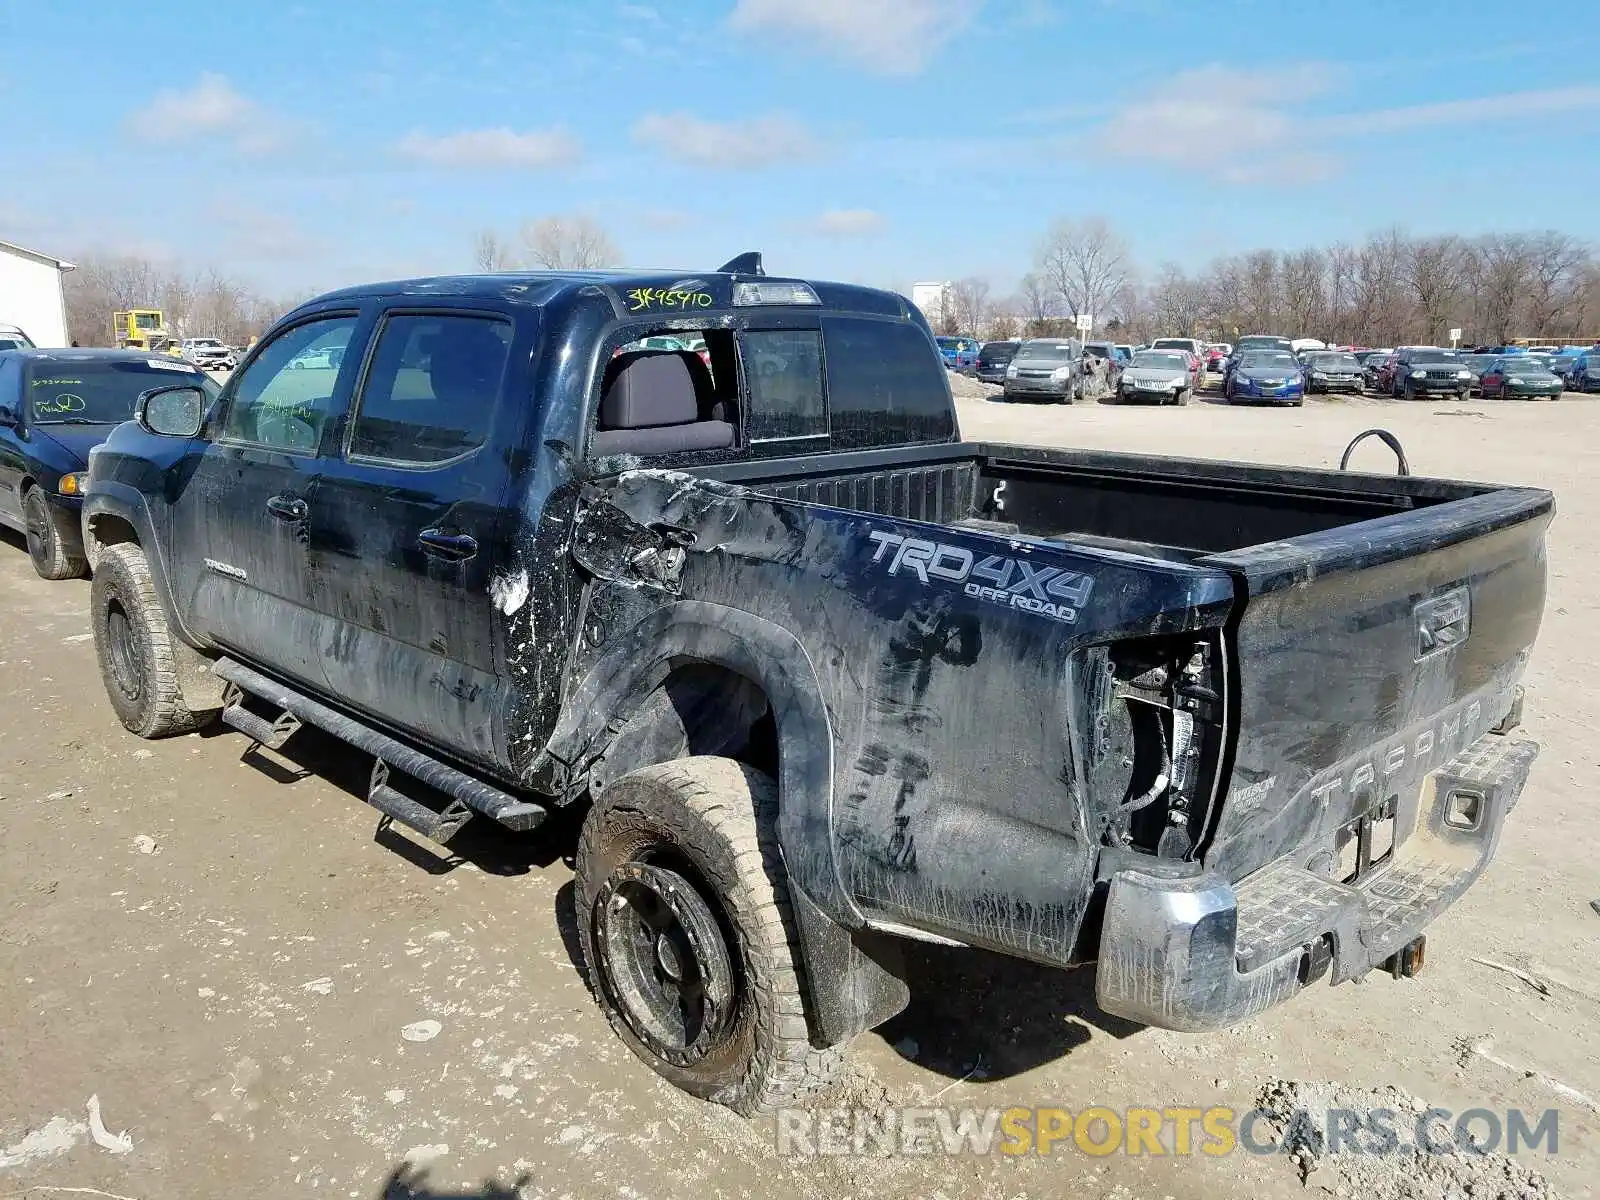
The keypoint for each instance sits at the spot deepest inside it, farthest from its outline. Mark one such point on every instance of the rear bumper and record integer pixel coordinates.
(1201, 953)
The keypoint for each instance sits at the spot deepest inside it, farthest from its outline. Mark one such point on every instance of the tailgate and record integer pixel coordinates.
(1367, 657)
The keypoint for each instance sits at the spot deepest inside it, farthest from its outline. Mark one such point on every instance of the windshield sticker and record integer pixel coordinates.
(1010, 582)
(167, 364)
(65, 402)
(642, 298)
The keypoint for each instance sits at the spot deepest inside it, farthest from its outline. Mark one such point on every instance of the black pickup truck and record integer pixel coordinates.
(828, 677)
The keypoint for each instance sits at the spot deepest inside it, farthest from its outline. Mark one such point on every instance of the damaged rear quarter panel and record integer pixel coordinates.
(956, 801)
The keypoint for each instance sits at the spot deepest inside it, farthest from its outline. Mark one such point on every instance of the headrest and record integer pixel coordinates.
(646, 388)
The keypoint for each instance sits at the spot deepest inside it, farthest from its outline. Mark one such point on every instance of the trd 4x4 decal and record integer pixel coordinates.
(1012, 582)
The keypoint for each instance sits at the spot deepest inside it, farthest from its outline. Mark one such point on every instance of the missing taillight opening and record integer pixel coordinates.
(1156, 742)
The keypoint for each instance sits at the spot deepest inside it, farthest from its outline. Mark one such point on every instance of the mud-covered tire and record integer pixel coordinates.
(138, 663)
(51, 547)
(712, 822)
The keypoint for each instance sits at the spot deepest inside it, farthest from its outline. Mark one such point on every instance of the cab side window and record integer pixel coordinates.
(284, 398)
(431, 392)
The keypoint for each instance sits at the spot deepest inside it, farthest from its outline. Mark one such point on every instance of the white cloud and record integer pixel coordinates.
(535, 149)
(1214, 118)
(757, 142)
(1253, 127)
(847, 222)
(1463, 112)
(212, 108)
(639, 12)
(892, 37)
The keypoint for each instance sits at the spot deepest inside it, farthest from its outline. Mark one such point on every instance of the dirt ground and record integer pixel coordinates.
(268, 1000)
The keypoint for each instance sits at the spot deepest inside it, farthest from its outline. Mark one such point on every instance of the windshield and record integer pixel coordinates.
(1433, 356)
(1058, 352)
(997, 351)
(100, 393)
(1171, 344)
(1155, 360)
(1479, 362)
(1270, 360)
(1335, 362)
(1259, 343)
(10, 341)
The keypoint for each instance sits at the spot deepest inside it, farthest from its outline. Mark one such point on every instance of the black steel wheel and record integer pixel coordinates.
(134, 645)
(688, 937)
(52, 547)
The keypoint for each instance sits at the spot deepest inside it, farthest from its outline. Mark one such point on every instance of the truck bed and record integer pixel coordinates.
(1141, 504)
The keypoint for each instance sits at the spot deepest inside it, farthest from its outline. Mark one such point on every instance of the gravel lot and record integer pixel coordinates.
(270, 1001)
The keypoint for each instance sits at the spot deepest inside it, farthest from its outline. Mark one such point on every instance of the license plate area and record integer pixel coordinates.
(1366, 843)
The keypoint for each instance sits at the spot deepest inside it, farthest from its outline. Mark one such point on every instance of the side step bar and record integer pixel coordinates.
(468, 795)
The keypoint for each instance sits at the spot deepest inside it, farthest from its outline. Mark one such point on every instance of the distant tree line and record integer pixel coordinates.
(196, 304)
(1391, 289)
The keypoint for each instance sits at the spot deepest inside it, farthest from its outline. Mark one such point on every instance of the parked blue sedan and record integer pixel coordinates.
(1265, 377)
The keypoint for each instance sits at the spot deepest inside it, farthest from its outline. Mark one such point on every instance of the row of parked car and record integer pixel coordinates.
(1268, 369)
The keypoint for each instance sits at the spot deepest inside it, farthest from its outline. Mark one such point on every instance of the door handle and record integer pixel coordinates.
(452, 547)
(288, 508)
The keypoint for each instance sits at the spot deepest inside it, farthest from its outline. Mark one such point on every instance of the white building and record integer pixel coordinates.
(30, 294)
(933, 299)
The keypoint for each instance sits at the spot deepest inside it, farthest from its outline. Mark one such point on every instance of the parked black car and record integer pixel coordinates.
(824, 676)
(54, 406)
(1429, 371)
(1331, 371)
(993, 359)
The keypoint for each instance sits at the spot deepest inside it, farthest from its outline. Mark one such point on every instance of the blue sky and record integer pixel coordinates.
(310, 146)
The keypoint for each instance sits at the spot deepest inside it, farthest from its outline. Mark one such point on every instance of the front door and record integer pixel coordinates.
(242, 522)
(408, 528)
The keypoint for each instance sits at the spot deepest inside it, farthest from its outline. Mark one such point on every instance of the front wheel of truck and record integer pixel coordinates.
(688, 935)
(134, 646)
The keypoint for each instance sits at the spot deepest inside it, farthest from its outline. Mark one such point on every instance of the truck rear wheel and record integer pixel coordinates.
(688, 935)
(137, 662)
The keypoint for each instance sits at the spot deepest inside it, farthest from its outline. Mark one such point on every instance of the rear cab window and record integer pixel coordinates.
(770, 383)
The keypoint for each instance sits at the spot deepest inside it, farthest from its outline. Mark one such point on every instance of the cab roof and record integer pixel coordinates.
(543, 288)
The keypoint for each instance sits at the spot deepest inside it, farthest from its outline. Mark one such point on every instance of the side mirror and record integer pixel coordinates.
(171, 411)
(8, 418)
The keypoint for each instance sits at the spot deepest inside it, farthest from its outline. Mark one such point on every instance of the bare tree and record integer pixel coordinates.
(1555, 264)
(1304, 280)
(1085, 263)
(1178, 302)
(1434, 268)
(1003, 323)
(490, 253)
(1037, 302)
(969, 300)
(567, 243)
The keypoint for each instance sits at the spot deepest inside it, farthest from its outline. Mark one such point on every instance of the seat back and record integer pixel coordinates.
(653, 402)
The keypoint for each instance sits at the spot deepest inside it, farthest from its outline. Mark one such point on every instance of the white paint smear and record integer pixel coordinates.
(117, 1143)
(422, 1031)
(509, 592)
(418, 1155)
(55, 1138)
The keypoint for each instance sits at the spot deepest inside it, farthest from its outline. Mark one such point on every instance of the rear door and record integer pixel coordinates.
(240, 533)
(409, 530)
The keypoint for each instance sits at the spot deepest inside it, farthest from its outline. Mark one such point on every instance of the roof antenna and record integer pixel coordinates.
(748, 263)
